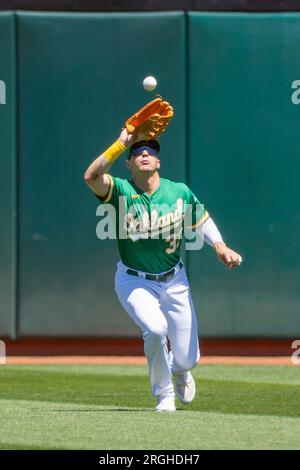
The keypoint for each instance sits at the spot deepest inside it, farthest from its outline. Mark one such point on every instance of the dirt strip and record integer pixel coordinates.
(141, 360)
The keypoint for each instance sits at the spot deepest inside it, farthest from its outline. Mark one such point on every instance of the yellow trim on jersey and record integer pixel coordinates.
(201, 221)
(111, 187)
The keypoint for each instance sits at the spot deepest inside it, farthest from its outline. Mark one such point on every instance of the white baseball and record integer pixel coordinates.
(240, 259)
(149, 83)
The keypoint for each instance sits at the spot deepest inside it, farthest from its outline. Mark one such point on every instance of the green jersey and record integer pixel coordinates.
(150, 228)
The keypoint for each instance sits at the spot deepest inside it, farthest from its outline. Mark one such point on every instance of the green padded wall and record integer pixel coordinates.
(81, 77)
(7, 175)
(244, 164)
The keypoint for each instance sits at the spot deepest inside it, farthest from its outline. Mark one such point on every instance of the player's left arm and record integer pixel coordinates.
(209, 231)
(228, 256)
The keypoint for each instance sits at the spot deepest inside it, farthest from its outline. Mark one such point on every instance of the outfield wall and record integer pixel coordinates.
(8, 189)
(233, 140)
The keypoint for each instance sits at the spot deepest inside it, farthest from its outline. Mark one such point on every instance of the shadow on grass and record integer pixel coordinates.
(118, 393)
(247, 398)
(97, 410)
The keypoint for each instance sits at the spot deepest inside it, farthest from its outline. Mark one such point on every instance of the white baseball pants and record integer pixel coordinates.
(161, 310)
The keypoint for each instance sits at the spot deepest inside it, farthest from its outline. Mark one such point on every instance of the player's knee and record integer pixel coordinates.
(156, 333)
(189, 362)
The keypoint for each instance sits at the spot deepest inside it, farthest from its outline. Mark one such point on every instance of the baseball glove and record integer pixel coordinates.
(150, 121)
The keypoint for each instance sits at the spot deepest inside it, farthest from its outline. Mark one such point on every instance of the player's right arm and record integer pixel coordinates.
(96, 176)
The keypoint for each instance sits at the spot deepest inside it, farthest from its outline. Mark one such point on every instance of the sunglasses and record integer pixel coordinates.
(139, 150)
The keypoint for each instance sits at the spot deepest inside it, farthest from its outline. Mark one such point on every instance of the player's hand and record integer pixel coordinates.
(230, 258)
(126, 138)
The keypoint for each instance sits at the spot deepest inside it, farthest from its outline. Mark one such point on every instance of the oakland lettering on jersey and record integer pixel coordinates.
(152, 226)
(136, 223)
(153, 223)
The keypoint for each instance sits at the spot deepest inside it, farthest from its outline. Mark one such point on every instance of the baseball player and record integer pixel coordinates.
(151, 281)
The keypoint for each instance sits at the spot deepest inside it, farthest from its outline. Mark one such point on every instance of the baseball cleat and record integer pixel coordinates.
(165, 404)
(185, 387)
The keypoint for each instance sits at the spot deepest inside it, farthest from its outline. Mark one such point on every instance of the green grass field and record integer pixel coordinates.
(110, 407)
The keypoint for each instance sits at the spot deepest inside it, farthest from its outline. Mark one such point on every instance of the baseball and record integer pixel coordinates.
(149, 83)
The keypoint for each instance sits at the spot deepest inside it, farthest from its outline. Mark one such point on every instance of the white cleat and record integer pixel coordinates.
(165, 404)
(185, 387)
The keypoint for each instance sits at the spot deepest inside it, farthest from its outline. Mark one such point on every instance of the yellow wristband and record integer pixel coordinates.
(114, 151)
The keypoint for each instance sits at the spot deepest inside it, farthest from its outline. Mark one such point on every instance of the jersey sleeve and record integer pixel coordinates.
(196, 214)
(113, 193)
